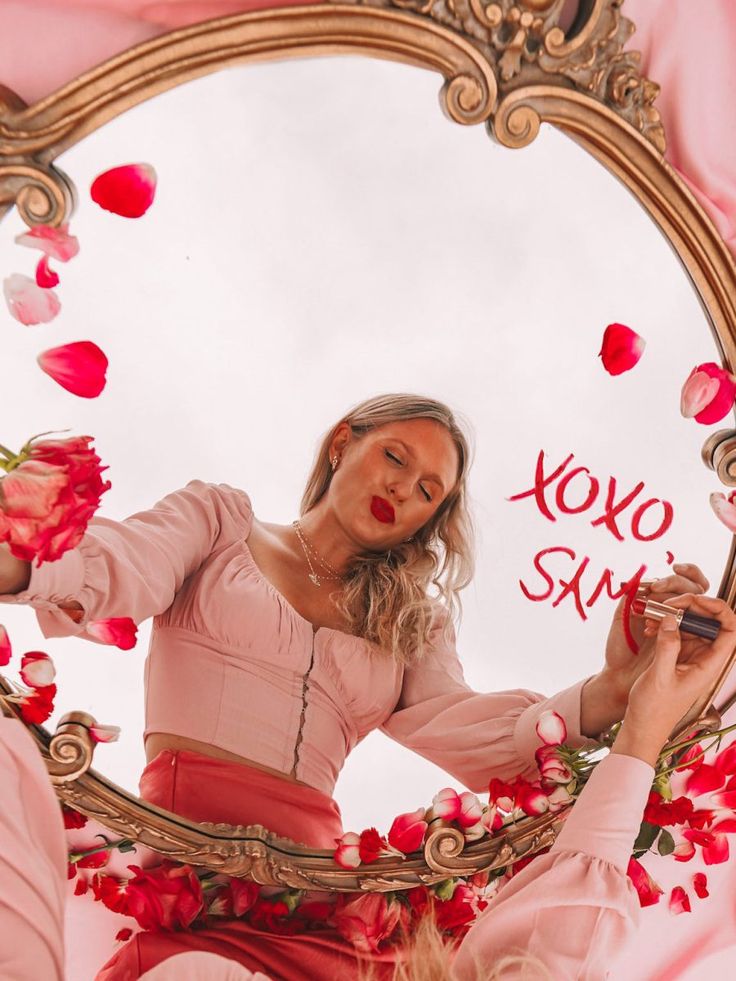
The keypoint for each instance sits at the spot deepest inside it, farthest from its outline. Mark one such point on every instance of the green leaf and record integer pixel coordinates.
(666, 843)
(444, 890)
(646, 837)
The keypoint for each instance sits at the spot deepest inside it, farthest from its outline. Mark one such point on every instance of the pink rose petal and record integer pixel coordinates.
(695, 390)
(117, 631)
(347, 853)
(679, 902)
(105, 734)
(717, 852)
(724, 510)
(471, 810)
(621, 349)
(6, 651)
(684, 851)
(28, 302)
(128, 191)
(37, 669)
(57, 243)
(78, 367)
(446, 804)
(551, 728)
(45, 275)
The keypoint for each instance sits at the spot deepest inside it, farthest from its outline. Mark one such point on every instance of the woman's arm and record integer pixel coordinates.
(14, 573)
(132, 568)
(574, 908)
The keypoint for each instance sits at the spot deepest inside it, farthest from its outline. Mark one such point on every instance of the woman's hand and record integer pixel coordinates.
(682, 668)
(605, 696)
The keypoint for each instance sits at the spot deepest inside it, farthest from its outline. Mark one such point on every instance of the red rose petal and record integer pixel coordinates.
(127, 191)
(56, 243)
(45, 275)
(78, 367)
(700, 885)
(696, 388)
(6, 651)
(621, 349)
(28, 302)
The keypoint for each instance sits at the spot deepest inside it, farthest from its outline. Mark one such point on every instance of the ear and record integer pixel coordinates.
(340, 439)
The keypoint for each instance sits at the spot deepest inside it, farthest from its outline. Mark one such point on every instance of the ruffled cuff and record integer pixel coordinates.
(568, 704)
(605, 820)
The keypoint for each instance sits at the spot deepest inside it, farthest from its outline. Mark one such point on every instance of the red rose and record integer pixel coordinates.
(111, 892)
(72, 819)
(165, 898)
(47, 500)
(407, 831)
(662, 813)
(456, 914)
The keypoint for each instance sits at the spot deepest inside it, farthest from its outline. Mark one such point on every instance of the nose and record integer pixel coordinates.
(399, 489)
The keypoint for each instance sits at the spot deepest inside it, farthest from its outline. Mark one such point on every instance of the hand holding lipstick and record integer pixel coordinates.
(682, 669)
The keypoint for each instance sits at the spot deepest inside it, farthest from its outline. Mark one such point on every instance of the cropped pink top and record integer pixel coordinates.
(231, 663)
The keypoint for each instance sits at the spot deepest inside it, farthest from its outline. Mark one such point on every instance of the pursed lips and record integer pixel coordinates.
(382, 510)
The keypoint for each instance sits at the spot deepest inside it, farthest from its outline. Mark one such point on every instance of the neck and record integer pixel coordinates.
(327, 539)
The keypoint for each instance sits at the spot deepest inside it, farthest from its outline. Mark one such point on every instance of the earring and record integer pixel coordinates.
(333, 461)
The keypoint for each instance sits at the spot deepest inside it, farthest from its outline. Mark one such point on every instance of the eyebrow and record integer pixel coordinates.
(412, 454)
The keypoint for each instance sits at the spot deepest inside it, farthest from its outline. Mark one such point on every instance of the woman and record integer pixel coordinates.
(275, 649)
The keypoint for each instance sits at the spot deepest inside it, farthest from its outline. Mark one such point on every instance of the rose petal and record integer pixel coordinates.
(347, 853)
(407, 831)
(471, 810)
(57, 243)
(78, 367)
(700, 885)
(6, 651)
(118, 631)
(724, 510)
(28, 302)
(621, 348)
(45, 275)
(128, 190)
(104, 734)
(446, 804)
(704, 779)
(125, 934)
(37, 669)
(551, 728)
(717, 852)
(722, 399)
(698, 391)
(725, 761)
(679, 901)
(684, 851)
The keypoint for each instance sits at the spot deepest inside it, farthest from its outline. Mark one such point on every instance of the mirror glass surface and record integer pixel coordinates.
(321, 234)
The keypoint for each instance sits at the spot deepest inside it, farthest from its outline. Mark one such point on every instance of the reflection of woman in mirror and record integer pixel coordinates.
(276, 648)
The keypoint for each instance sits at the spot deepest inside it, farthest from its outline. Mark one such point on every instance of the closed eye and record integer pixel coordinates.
(391, 456)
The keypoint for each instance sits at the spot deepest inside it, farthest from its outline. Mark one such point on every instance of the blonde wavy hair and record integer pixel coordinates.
(386, 597)
(428, 956)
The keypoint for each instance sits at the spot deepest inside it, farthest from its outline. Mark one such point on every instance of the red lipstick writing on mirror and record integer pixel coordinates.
(688, 622)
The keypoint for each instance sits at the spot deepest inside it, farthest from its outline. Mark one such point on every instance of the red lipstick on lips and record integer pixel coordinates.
(382, 510)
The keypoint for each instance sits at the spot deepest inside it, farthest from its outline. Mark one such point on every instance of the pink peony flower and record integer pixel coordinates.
(37, 669)
(28, 302)
(55, 243)
(679, 902)
(45, 275)
(621, 349)
(6, 651)
(347, 853)
(78, 367)
(407, 831)
(127, 191)
(708, 394)
(118, 631)
(367, 921)
(551, 728)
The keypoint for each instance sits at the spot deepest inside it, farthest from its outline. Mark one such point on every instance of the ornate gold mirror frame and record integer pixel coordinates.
(507, 64)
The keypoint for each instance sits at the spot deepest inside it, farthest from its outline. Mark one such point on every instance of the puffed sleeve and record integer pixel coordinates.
(471, 735)
(134, 568)
(573, 908)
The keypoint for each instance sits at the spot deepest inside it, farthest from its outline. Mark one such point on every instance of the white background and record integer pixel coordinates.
(322, 234)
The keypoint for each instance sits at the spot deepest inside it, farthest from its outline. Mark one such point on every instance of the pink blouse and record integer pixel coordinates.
(231, 663)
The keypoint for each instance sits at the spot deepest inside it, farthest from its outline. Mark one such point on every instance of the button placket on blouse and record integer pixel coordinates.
(305, 689)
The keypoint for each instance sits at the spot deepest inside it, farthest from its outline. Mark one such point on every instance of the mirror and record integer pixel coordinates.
(311, 262)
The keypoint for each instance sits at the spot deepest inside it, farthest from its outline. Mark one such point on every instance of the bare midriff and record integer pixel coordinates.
(157, 742)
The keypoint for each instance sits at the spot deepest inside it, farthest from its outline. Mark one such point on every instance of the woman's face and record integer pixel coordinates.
(390, 482)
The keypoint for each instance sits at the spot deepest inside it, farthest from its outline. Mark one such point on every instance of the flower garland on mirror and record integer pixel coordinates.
(175, 896)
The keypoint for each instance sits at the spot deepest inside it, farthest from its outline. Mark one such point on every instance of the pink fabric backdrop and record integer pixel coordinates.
(687, 48)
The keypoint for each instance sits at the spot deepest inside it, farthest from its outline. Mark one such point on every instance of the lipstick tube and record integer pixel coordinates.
(688, 622)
